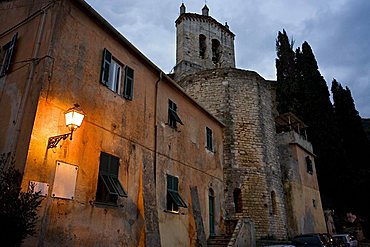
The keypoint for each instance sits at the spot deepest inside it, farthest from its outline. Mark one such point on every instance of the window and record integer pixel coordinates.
(314, 203)
(273, 202)
(202, 45)
(174, 200)
(129, 83)
(173, 118)
(8, 50)
(216, 51)
(211, 205)
(309, 165)
(109, 187)
(111, 72)
(237, 200)
(209, 144)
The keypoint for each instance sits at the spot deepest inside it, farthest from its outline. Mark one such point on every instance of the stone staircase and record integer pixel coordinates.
(218, 241)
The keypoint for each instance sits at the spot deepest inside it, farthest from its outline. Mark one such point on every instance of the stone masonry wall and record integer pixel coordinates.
(188, 60)
(242, 101)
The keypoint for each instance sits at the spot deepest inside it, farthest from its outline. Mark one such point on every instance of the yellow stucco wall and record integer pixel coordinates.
(306, 196)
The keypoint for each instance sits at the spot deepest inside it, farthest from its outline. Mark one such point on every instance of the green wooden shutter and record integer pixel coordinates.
(113, 166)
(8, 55)
(108, 173)
(209, 139)
(104, 163)
(109, 184)
(173, 191)
(107, 59)
(169, 182)
(129, 83)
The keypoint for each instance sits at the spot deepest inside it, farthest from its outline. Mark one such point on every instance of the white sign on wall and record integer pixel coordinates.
(41, 187)
(65, 180)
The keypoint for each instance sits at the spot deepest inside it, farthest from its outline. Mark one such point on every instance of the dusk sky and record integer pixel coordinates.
(337, 30)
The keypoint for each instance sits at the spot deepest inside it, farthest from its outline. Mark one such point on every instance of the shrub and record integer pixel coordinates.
(18, 209)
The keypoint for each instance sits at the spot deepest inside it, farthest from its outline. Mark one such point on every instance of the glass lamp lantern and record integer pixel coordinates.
(74, 117)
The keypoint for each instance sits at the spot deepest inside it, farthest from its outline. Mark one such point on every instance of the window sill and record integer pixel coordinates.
(126, 97)
(117, 94)
(172, 127)
(209, 150)
(171, 212)
(105, 205)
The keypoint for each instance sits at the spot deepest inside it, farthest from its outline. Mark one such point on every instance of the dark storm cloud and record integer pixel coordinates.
(337, 30)
(341, 42)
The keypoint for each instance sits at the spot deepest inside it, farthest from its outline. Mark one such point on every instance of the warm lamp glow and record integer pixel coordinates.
(74, 117)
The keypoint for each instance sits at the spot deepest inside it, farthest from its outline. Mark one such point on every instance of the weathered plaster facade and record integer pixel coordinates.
(66, 40)
(305, 212)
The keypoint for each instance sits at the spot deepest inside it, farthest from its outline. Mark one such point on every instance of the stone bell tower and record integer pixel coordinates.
(202, 43)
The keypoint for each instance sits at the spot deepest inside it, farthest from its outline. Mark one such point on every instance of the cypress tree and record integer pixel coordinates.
(351, 129)
(338, 140)
(356, 144)
(302, 90)
(318, 113)
(366, 126)
(287, 88)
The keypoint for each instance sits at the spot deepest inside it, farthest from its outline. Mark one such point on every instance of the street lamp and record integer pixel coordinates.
(74, 117)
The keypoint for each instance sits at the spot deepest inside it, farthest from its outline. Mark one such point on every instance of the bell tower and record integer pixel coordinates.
(202, 43)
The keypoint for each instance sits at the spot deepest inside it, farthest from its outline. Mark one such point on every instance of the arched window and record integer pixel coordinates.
(238, 200)
(273, 202)
(202, 45)
(216, 51)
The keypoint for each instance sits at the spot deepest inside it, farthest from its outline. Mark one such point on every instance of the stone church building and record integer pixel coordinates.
(266, 175)
(197, 157)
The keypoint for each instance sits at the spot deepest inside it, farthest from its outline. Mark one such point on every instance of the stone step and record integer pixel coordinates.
(218, 241)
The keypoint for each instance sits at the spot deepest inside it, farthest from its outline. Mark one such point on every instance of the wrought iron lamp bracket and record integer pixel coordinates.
(54, 140)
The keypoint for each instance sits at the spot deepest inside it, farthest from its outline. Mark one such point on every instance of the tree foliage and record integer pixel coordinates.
(351, 129)
(302, 89)
(318, 113)
(335, 131)
(356, 144)
(18, 209)
(287, 88)
(366, 126)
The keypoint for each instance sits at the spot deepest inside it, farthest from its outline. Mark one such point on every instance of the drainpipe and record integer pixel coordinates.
(35, 61)
(156, 127)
